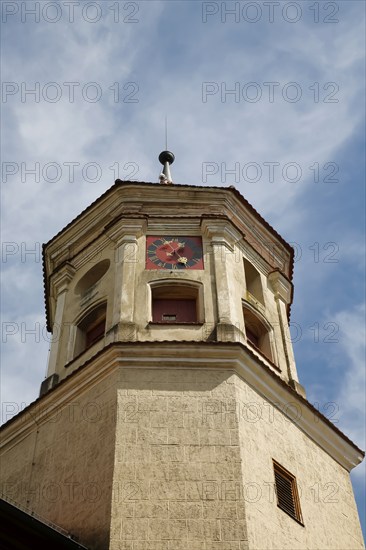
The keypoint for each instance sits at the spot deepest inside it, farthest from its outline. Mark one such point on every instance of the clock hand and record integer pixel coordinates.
(181, 259)
(169, 254)
(174, 250)
(167, 242)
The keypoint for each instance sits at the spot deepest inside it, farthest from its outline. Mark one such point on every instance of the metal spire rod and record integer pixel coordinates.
(166, 132)
(166, 158)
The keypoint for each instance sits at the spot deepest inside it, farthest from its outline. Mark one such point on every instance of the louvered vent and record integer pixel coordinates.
(287, 494)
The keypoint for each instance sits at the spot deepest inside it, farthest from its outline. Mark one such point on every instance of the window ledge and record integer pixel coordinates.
(84, 351)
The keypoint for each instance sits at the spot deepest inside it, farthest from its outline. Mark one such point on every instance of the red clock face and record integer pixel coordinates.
(174, 252)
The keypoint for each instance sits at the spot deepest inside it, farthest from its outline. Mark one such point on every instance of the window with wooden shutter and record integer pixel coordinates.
(287, 493)
(175, 303)
(174, 310)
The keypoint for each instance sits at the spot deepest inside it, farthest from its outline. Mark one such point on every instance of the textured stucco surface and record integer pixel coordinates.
(177, 458)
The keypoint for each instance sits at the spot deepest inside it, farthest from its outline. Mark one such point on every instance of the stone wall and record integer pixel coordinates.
(61, 466)
(174, 458)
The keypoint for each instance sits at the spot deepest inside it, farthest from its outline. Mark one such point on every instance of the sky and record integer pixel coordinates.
(266, 96)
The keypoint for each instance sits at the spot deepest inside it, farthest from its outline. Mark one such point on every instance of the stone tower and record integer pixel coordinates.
(172, 417)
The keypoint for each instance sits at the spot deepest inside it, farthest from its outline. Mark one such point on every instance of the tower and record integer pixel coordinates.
(172, 417)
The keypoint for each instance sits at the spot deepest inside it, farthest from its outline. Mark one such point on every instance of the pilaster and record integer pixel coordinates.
(223, 238)
(59, 287)
(126, 258)
(282, 289)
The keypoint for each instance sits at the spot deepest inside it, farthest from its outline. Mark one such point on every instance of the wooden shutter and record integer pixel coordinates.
(287, 494)
(172, 310)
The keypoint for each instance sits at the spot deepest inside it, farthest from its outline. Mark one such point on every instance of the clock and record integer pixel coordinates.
(174, 252)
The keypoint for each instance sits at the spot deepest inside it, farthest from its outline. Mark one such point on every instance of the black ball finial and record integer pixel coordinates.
(166, 156)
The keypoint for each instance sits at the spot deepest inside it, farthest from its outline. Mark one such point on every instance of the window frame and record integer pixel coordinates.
(266, 333)
(167, 288)
(253, 284)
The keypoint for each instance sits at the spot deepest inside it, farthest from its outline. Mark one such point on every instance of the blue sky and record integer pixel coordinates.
(298, 101)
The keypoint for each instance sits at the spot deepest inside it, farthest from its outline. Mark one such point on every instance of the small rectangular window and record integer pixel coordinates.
(287, 493)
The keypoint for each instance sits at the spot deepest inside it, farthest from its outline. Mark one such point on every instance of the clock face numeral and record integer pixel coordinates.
(174, 252)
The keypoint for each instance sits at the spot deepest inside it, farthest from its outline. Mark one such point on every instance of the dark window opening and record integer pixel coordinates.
(253, 338)
(91, 329)
(94, 333)
(253, 282)
(257, 333)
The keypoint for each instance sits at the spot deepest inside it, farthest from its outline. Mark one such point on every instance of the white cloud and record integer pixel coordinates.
(352, 390)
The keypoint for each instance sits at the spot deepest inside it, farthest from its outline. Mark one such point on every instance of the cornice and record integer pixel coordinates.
(126, 229)
(185, 226)
(235, 357)
(62, 278)
(281, 286)
(221, 231)
(150, 199)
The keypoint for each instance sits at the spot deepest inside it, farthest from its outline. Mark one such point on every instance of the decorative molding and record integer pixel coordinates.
(250, 254)
(265, 241)
(221, 232)
(193, 355)
(60, 280)
(282, 287)
(128, 230)
(221, 241)
(181, 226)
(252, 300)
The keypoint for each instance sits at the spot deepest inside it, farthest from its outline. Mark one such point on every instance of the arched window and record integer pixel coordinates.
(90, 329)
(176, 302)
(257, 332)
(253, 283)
